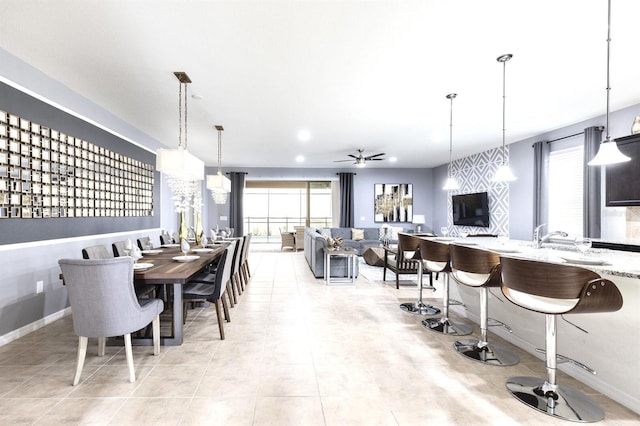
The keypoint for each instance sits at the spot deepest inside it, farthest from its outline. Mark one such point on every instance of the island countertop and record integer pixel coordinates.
(603, 261)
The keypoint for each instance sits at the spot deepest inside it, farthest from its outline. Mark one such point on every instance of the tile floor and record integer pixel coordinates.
(297, 353)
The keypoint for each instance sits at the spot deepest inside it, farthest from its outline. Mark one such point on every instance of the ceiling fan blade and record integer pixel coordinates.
(373, 157)
(341, 161)
(352, 156)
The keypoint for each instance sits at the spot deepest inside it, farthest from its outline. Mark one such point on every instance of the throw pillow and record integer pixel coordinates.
(325, 232)
(357, 234)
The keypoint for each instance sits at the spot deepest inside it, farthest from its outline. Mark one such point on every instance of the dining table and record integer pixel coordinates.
(167, 266)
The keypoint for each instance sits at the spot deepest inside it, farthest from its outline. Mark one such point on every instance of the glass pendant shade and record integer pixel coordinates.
(608, 153)
(179, 163)
(220, 186)
(503, 174)
(451, 184)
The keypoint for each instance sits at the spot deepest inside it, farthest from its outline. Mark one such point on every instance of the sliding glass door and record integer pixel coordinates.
(272, 207)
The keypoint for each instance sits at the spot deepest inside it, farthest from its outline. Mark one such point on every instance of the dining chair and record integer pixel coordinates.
(410, 246)
(144, 242)
(213, 289)
(96, 252)
(118, 249)
(104, 304)
(246, 272)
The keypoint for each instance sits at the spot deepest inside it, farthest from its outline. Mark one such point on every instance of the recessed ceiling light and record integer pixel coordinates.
(300, 159)
(393, 159)
(304, 135)
(198, 97)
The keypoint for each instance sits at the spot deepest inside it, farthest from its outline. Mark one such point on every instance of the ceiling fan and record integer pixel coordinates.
(360, 160)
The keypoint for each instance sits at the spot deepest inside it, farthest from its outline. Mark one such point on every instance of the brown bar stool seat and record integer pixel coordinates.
(480, 268)
(409, 250)
(436, 259)
(554, 289)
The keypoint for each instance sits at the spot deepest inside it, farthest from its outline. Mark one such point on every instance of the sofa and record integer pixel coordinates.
(315, 242)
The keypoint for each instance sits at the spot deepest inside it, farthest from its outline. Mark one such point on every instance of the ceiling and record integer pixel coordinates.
(355, 74)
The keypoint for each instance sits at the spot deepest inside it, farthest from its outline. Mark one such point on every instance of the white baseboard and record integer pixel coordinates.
(30, 328)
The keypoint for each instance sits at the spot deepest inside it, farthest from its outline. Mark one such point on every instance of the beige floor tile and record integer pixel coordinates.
(289, 411)
(82, 411)
(296, 352)
(151, 411)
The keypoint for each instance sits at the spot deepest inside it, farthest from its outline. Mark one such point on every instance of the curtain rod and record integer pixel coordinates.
(566, 137)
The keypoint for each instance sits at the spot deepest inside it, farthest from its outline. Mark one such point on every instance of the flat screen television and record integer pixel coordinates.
(471, 209)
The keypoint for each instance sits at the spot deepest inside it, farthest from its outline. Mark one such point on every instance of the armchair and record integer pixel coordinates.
(104, 304)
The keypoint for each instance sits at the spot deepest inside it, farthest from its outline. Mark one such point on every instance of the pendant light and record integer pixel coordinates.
(219, 184)
(451, 182)
(504, 174)
(183, 170)
(608, 153)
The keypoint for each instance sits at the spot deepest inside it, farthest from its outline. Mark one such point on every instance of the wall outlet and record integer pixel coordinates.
(39, 287)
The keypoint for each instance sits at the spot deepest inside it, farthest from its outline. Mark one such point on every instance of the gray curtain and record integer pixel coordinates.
(540, 183)
(346, 200)
(592, 184)
(236, 214)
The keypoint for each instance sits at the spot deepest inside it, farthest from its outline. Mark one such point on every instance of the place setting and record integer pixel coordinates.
(583, 245)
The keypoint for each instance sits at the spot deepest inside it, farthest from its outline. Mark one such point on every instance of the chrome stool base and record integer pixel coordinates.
(446, 326)
(419, 308)
(565, 403)
(488, 354)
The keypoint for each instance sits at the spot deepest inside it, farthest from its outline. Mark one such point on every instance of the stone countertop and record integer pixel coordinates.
(603, 261)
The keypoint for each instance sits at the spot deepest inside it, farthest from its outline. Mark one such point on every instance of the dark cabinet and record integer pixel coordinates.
(623, 179)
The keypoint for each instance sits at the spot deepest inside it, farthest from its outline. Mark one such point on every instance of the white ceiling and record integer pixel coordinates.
(355, 74)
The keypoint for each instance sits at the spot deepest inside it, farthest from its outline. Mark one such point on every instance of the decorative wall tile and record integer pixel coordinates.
(474, 174)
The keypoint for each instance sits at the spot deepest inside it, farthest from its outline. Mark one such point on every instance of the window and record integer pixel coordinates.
(274, 206)
(565, 190)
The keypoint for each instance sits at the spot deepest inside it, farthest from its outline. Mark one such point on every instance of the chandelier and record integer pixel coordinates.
(218, 184)
(183, 170)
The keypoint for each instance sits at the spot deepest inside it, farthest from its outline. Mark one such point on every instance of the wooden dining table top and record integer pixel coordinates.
(167, 270)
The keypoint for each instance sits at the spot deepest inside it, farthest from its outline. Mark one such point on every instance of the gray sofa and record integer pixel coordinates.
(315, 243)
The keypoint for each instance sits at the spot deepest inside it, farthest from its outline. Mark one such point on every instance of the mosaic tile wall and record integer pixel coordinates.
(474, 174)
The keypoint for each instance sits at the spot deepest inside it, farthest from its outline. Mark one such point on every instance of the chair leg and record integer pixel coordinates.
(397, 281)
(156, 335)
(102, 343)
(227, 316)
(228, 292)
(82, 352)
(129, 354)
(219, 315)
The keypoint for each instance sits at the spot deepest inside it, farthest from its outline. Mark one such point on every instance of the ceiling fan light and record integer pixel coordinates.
(608, 153)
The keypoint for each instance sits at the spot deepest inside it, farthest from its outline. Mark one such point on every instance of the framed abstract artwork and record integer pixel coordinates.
(393, 202)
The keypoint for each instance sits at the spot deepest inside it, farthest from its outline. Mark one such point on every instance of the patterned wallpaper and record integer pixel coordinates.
(474, 174)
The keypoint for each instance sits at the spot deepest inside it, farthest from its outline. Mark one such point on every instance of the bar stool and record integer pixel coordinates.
(480, 268)
(436, 259)
(409, 250)
(554, 289)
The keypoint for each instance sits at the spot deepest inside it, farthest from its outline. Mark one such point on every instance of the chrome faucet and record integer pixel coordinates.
(538, 240)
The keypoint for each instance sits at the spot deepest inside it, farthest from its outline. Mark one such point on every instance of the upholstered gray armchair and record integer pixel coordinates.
(96, 252)
(104, 304)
